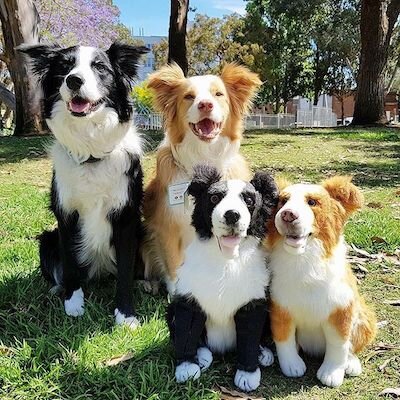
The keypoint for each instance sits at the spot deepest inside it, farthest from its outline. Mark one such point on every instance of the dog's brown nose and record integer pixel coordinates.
(289, 216)
(205, 106)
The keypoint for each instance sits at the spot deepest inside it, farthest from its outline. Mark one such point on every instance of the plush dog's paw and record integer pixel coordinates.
(247, 381)
(293, 367)
(74, 305)
(204, 358)
(120, 319)
(266, 357)
(186, 371)
(353, 366)
(330, 375)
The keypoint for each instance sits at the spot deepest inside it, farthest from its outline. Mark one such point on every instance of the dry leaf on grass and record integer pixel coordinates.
(392, 302)
(227, 394)
(381, 324)
(377, 239)
(374, 204)
(394, 392)
(118, 359)
(383, 366)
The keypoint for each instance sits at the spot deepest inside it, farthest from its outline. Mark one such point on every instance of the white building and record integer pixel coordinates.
(148, 64)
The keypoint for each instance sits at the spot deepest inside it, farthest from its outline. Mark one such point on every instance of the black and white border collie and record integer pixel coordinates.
(219, 301)
(96, 190)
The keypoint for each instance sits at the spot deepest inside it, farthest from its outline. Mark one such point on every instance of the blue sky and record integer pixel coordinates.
(153, 15)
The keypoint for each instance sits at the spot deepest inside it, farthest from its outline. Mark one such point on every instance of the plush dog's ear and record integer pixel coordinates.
(125, 58)
(40, 57)
(345, 192)
(265, 184)
(242, 85)
(165, 84)
(203, 177)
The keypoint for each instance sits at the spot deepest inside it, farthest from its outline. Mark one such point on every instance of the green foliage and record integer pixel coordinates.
(142, 98)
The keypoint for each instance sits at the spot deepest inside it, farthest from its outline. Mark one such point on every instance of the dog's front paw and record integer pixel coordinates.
(330, 375)
(293, 367)
(266, 357)
(204, 358)
(353, 366)
(120, 319)
(186, 371)
(247, 381)
(74, 305)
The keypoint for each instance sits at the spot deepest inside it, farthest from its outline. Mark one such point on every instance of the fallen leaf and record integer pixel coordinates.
(397, 192)
(383, 366)
(227, 394)
(374, 204)
(395, 392)
(377, 239)
(361, 253)
(118, 359)
(392, 302)
(382, 324)
(386, 346)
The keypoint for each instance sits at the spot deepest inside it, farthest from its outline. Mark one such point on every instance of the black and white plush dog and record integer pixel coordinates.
(220, 292)
(97, 182)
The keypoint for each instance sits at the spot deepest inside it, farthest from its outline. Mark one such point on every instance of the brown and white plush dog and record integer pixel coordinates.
(315, 301)
(204, 123)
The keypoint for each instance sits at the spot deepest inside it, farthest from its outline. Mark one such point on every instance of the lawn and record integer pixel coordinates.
(46, 355)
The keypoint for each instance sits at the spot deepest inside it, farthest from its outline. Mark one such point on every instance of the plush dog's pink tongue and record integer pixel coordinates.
(230, 241)
(79, 105)
(206, 126)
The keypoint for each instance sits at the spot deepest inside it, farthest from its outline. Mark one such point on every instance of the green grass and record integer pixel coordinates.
(46, 355)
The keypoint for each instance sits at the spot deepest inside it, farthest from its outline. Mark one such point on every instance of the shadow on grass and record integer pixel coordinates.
(15, 149)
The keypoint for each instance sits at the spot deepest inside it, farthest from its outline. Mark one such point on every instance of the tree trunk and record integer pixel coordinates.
(378, 18)
(20, 24)
(177, 34)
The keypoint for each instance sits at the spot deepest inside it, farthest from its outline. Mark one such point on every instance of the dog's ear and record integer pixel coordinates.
(264, 210)
(203, 177)
(265, 184)
(345, 192)
(165, 84)
(40, 57)
(242, 85)
(125, 58)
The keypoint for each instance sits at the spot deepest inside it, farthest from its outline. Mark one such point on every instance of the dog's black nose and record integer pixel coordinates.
(74, 82)
(231, 217)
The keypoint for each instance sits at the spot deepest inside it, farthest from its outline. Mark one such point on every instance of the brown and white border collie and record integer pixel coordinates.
(204, 123)
(315, 302)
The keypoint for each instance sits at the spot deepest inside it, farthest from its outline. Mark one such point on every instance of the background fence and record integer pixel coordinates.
(317, 117)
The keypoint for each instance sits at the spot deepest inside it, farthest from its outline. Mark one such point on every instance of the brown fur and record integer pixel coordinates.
(281, 322)
(164, 245)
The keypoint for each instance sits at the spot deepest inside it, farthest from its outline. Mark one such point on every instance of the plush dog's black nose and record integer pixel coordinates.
(231, 217)
(74, 82)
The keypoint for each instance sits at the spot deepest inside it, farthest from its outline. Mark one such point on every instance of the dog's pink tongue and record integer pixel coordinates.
(79, 105)
(206, 126)
(230, 241)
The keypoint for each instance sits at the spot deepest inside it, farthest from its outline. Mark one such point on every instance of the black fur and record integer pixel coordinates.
(115, 69)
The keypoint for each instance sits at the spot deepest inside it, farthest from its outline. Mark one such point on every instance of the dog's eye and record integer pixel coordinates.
(311, 202)
(249, 201)
(98, 65)
(189, 96)
(214, 198)
(218, 94)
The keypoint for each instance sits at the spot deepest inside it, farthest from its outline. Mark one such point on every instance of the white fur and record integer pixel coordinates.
(120, 319)
(94, 189)
(311, 287)
(204, 358)
(222, 285)
(266, 357)
(75, 305)
(186, 371)
(247, 381)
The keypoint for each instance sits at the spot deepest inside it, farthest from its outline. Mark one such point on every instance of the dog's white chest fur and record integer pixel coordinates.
(94, 190)
(222, 286)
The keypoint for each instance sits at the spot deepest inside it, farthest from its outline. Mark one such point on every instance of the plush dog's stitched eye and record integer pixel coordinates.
(311, 202)
(249, 201)
(189, 96)
(218, 94)
(214, 199)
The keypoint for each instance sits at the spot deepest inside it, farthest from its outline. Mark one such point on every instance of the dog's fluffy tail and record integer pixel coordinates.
(50, 260)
